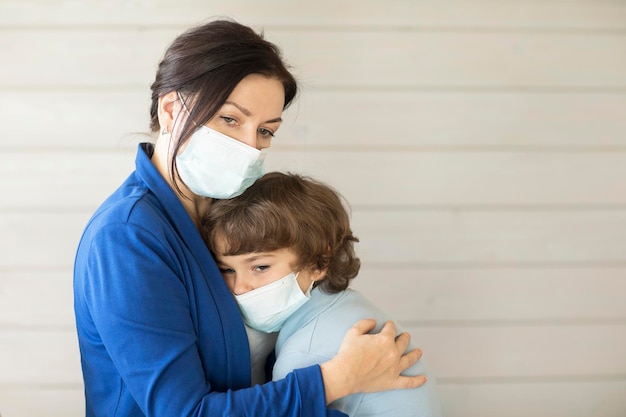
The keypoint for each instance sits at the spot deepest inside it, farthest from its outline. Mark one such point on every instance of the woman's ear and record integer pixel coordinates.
(167, 110)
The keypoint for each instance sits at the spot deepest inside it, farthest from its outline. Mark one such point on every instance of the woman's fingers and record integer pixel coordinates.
(363, 326)
(406, 382)
(371, 362)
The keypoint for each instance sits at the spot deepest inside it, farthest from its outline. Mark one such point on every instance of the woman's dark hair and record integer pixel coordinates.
(205, 63)
(288, 211)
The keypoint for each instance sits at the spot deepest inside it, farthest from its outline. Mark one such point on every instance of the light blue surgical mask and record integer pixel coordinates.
(267, 308)
(218, 166)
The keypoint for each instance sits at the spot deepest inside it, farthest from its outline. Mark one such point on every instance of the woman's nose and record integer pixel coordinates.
(250, 139)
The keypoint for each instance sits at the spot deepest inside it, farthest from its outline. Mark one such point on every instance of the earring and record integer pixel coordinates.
(164, 131)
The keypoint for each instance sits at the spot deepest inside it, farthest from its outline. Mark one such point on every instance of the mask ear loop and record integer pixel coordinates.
(182, 101)
(307, 293)
(165, 131)
(308, 290)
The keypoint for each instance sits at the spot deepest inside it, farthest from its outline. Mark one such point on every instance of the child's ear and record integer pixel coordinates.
(318, 274)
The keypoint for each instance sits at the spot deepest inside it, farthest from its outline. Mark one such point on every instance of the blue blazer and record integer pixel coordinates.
(159, 333)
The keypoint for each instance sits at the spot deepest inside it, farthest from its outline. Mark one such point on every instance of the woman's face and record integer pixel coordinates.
(252, 112)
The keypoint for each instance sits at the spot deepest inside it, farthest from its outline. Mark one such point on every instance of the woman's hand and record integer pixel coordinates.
(370, 362)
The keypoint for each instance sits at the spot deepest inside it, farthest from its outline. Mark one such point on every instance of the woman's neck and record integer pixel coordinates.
(194, 204)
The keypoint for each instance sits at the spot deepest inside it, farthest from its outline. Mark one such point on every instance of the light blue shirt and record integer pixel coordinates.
(313, 334)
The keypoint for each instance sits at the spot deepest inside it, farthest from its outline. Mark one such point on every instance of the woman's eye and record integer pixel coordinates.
(228, 120)
(266, 133)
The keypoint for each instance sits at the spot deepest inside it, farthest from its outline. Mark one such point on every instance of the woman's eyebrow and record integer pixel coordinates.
(249, 113)
(240, 107)
(275, 120)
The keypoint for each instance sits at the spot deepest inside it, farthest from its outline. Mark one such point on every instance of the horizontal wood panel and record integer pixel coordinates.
(37, 299)
(490, 237)
(340, 119)
(72, 179)
(560, 399)
(454, 237)
(123, 57)
(83, 119)
(537, 295)
(39, 357)
(413, 178)
(474, 352)
(40, 299)
(40, 239)
(333, 59)
(465, 60)
(414, 119)
(347, 14)
(63, 179)
(30, 401)
(523, 351)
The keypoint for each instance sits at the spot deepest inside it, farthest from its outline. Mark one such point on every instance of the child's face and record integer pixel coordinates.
(250, 271)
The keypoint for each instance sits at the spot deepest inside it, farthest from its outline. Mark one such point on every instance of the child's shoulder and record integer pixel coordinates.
(354, 300)
(347, 307)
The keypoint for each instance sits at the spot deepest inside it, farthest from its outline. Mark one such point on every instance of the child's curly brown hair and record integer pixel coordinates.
(285, 210)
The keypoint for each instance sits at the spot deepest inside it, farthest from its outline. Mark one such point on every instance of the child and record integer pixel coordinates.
(286, 251)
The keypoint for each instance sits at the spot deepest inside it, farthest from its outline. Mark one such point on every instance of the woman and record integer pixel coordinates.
(158, 330)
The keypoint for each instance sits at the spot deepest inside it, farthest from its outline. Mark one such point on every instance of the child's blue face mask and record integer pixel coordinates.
(267, 308)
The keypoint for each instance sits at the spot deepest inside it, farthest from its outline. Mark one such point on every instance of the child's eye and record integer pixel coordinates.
(225, 271)
(261, 268)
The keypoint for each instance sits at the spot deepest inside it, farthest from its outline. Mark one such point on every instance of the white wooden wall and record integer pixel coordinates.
(482, 144)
